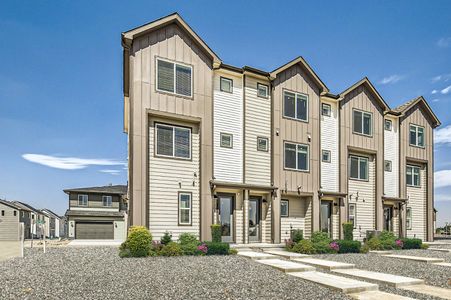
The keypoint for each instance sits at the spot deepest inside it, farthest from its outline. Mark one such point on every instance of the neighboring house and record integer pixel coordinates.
(34, 216)
(262, 153)
(24, 217)
(97, 212)
(9, 221)
(54, 223)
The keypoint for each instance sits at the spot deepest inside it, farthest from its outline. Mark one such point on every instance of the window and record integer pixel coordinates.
(184, 208)
(226, 85)
(284, 208)
(325, 109)
(3, 213)
(32, 217)
(388, 125)
(416, 135)
(352, 212)
(358, 167)
(107, 201)
(226, 140)
(326, 156)
(362, 122)
(262, 144)
(23, 214)
(296, 157)
(409, 218)
(387, 166)
(262, 90)
(173, 141)
(413, 176)
(83, 200)
(15, 213)
(295, 106)
(174, 78)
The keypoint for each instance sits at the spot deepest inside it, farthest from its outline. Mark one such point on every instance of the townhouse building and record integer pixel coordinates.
(262, 153)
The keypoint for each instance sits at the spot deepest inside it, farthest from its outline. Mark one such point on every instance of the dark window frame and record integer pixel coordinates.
(360, 158)
(288, 208)
(388, 163)
(190, 148)
(417, 127)
(296, 95)
(297, 156)
(329, 111)
(267, 90)
(412, 182)
(329, 156)
(179, 194)
(267, 144)
(354, 111)
(223, 134)
(390, 128)
(221, 78)
(175, 63)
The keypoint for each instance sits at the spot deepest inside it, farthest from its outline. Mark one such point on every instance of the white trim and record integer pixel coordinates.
(416, 127)
(329, 111)
(412, 183)
(288, 208)
(185, 208)
(175, 63)
(110, 203)
(353, 215)
(78, 200)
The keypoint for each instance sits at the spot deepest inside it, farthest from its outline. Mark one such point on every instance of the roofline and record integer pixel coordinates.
(431, 112)
(8, 203)
(86, 190)
(29, 206)
(51, 212)
(372, 89)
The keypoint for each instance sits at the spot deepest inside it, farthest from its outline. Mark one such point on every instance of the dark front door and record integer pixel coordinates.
(326, 213)
(254, 220)
(388, 218)
(226, 217)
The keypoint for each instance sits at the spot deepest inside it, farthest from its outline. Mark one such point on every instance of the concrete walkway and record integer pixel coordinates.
(324, 264)
(94, 243)
(429, 290)
(428, 260)
(9, 249)
(443, 264)
(440, 249)
(256, 255)
(286, 266)
(285, 254)
(378, 295)
(389, 279)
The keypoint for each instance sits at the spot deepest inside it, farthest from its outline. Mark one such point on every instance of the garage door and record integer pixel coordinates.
(94, 230)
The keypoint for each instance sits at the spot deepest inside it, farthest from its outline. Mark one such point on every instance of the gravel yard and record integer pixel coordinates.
(98, 273)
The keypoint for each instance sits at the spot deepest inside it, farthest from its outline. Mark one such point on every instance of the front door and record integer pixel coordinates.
(226, 217)
(388, 216)
(326, 213)
(254, 220)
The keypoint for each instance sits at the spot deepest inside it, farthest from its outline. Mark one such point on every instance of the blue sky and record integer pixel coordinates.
(60, 76)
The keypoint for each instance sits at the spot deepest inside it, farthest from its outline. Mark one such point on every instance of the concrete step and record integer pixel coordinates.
(339, 283)
(286, 265)
(393, 280)
(429, 290)
(256, 255)
(428, 260)
(285, 253)
(440, 249)
(324, 264)
(443, 264)
(377, 295)
(381, 251)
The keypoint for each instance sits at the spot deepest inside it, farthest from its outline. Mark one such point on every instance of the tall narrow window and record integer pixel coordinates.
(416, 136)
(388, 125)
(326, 109)
(185, 214)
(173, 141)
(358, 167)
(82, 200)
(409, 218)
(262, 90)
(387, 166)
(226, 85)
(295, 106)
(362, 122)
(284, 208)
(174, 78)
(352, 213)
(413, 176)
(296, 156)
(107, 201)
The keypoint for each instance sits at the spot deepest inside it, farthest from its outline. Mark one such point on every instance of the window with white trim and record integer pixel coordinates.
(388, 125)
(174, 78)
(409, 218)
(262, 90)
(362, 122)
(107, 201)
(83, 200)
(173, 141)
(296, 156)
(284, 208)
(226, 140)
(387, 165)
(262, 144)
(226, 85)
(358, 167)
(185, 205)
(295, 106)
(352, 213)
(326, 109)
(413, 176)
(416, 135)
(325, 156)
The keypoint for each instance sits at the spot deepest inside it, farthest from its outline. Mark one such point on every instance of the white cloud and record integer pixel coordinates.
(69, 163)
(391, 79)
(444, 42)
(436, 78)
(443, 77)
(442, 198)
(435, 100)
(442, 178)
(434, 92)
(111, 172)
(446, 90)
(443, 135)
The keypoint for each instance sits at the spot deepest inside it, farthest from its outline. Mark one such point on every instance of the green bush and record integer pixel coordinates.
(166, 238)
(387, 235)
(348, 228)
(319, 236)
(304, 246)
(349, 246)
(424, 246)
(214, 248)
(171, 249)
(190, 249)
(411, 243)
(216, 233)
(374, 244)
(188, 238)
(233, 251)
(323, 247)
(364, 249)
(138, 243)
(297, 235)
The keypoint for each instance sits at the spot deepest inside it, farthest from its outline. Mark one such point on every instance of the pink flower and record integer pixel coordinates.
(399, 243)
(202, 248)
(334, 246)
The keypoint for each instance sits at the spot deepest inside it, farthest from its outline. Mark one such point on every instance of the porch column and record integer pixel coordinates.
(246, 216)
(316, 200)
(342, 202)
(275, 217)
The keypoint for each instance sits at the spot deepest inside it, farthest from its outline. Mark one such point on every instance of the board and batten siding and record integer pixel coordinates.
(365, 204)
(329, 141)
(228, 118)
(9, 224)
(257, 112)
(168, 177)
(391, 153)
(417, 203)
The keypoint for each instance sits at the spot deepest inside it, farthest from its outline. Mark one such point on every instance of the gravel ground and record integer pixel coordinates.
(428, 253)
(431, 274)
(98, 273)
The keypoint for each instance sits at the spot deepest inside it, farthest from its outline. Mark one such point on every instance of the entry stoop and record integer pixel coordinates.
(285, 265)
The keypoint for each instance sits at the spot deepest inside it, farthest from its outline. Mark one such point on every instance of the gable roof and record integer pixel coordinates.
(21, 206)
(300, 60)
(8, 203)
(404, 108)
(31, 208)
(51, 213)
(366, 82)
(108, 189)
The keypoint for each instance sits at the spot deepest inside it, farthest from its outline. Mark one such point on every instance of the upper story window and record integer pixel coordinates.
(362, 122)
(416, 135)
(3, 213)
(15, 213)
(107, 201)
(358, 167)
(387, 166)
(296, 156)
(262, 144)
(326, 109)
(173, 141)
(226, 140)
(226, 85)
(83, 200)
(325, 157)
(388, 125)
(413, 176)
(295, 106)
(174, 78)
(284, 208)
(262, 90)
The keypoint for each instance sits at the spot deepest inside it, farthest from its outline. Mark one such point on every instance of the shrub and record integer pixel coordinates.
(387, 235)
(388, 244)
(374, 244)
(347, 246)
(399, 244)
(334, 246)
(233, 251)
(190, 249)
(157, 246)
(166, 238)
(188, 238)
(203, 249)
(171, 249)
(411, 243)
(289, 244)
(348, 228)
(424, 246)
(364, 249)
(216, 233)
(320, 236)
(297, 235)
(214, 248)
(304, 246)
(138, 243)
(323, 247)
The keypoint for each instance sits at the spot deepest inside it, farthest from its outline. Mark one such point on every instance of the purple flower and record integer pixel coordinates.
(202, 248)
(334, 246)
(399, 243)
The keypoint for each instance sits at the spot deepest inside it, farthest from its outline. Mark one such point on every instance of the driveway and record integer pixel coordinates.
(9, 249)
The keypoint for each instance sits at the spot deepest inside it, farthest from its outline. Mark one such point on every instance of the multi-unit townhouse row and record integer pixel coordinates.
(262, 153)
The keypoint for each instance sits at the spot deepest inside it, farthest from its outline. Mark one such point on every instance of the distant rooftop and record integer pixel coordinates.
(108, 189)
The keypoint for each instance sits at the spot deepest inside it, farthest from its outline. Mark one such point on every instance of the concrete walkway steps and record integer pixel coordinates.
(285, 254)
(286, 265)
(428, 260)
(346, 285)
(389, 279)
(443, 264)
(378, 295)
(324, 264)
(440, 250)
(429, 290)
(256, 255)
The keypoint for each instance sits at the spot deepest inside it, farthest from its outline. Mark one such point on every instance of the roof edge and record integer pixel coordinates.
(366, 81)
